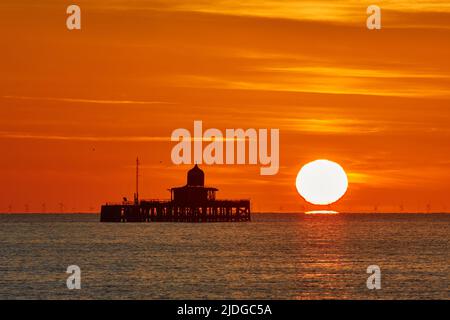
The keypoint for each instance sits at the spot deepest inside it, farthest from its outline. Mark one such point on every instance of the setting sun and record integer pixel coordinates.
(321, 182)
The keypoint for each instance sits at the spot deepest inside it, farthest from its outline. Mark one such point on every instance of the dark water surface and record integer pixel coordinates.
(276, 256)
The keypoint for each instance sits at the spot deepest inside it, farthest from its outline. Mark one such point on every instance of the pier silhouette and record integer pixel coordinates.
(193, 202)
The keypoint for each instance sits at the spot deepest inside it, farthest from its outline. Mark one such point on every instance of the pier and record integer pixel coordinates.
(190, 203)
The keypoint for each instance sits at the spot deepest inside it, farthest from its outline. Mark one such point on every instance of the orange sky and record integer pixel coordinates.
(76, 107)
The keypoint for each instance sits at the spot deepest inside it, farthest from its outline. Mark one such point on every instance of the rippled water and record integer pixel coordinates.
(276, 256)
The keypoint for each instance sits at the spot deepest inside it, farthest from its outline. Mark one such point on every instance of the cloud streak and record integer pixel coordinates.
(12, 135)
(78, 100)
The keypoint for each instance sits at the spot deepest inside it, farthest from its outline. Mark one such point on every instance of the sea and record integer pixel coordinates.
(275, 256)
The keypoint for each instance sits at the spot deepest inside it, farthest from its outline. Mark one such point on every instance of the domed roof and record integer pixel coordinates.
(195, 177)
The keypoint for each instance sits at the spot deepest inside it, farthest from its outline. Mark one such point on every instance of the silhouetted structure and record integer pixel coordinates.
(191, 203)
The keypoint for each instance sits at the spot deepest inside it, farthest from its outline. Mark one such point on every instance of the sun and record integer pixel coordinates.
(321, 182)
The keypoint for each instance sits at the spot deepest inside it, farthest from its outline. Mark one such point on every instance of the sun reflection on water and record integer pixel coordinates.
(324, 212)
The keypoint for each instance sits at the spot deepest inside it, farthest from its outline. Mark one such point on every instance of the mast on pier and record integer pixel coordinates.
(136, 195)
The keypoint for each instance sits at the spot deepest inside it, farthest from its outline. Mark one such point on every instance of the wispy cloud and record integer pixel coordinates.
(327, 85)
(341, 12)
(382, 73)
(19, 135)
(319, 10)
(329, 125)
(77, 100)
(13, 135)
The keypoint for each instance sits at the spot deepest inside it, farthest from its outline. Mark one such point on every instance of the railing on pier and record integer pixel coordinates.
(156, 210)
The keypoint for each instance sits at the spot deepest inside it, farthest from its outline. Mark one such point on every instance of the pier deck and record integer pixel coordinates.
(170, 211)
